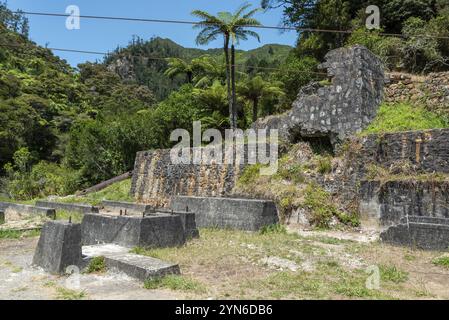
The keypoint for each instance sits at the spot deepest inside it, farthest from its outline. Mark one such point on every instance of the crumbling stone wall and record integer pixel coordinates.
(156, 179)
(431, 91)
(398, 174)
(338, 110)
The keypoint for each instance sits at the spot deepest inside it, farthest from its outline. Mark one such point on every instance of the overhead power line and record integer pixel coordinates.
(185, 22)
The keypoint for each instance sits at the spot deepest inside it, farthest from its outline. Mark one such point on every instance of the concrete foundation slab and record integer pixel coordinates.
(242, 214)
(136, 266)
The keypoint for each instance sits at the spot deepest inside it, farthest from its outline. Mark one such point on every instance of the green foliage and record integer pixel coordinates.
(391, 273)
(412, 19)
(250, 174)
(68, 294)
(256, 89)
(96, 265)
(15, 234)
(321, 206)
(324, 164)
(273, 229)
(175, 282)
(294, 73)
(403, 117)
(14, 21)
(292, 172)
(117, 192)
(27, 182)
(442, 262)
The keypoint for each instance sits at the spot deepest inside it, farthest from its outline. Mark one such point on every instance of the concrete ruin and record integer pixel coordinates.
(60, 251)
(70, 207)
(59, 247)
(338, 109)
(16, 211)
(426, 233)
(151, 230)
(242, 214)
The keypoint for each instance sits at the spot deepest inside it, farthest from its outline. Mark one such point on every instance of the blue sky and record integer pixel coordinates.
(104, 35)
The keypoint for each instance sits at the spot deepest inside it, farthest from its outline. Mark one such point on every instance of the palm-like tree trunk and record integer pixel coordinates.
(255, 109)
(234, 102)
(228, 80)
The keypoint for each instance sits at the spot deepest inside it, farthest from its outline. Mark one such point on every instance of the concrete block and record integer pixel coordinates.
(188, 220)
(59, 246)
(136, 266)
(242, 214)
(421, 232)
(15, 211)
(155, 230)
(71, 207)
(130, 207)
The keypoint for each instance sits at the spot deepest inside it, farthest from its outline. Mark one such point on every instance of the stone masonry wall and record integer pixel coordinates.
(426, 151)
(155, 179)
(431, 91)
(338, 110)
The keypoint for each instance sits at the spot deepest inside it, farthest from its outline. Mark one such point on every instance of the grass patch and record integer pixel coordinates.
(68, 294)
(175, 282)
(321, 206)
(250, 174)
(77, 217)
(403, 117)
(17, 234)
(393, 274)
(442, 262)
(117, 192)
(324, 164)
(274, 228)
(97, 265)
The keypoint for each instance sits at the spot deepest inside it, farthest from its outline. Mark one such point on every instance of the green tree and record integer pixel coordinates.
(178, 66)
(233, 28)
(256, 88)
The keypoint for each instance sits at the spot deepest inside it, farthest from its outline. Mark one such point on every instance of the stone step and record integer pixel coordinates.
(136, 266)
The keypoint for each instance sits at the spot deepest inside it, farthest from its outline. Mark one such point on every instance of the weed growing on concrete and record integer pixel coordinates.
(97, 265)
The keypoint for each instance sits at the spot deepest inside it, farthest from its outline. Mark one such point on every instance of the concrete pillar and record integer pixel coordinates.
(59, 247)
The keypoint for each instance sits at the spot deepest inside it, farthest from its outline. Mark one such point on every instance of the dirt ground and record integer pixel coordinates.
(224, 264)
(20, 281)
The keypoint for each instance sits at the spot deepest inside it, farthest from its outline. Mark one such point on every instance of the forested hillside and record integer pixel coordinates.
(143, 61)
(63, 129)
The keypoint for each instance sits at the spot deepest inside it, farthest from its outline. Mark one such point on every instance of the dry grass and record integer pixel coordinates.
(233, 265)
